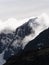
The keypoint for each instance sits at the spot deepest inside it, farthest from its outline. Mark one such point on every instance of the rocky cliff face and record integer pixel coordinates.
(35, 52)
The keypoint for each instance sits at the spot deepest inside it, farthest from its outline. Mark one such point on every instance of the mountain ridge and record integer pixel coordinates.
(14, 41)
(35, 52)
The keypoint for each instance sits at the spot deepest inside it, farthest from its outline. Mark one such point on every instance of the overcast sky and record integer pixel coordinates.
(20, 9)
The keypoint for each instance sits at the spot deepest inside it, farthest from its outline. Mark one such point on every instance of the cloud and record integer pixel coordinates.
(11, 24)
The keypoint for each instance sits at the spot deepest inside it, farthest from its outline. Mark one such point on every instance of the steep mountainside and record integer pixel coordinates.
(36, 52)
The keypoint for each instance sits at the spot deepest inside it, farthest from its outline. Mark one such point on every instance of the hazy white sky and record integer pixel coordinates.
(20, 9)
